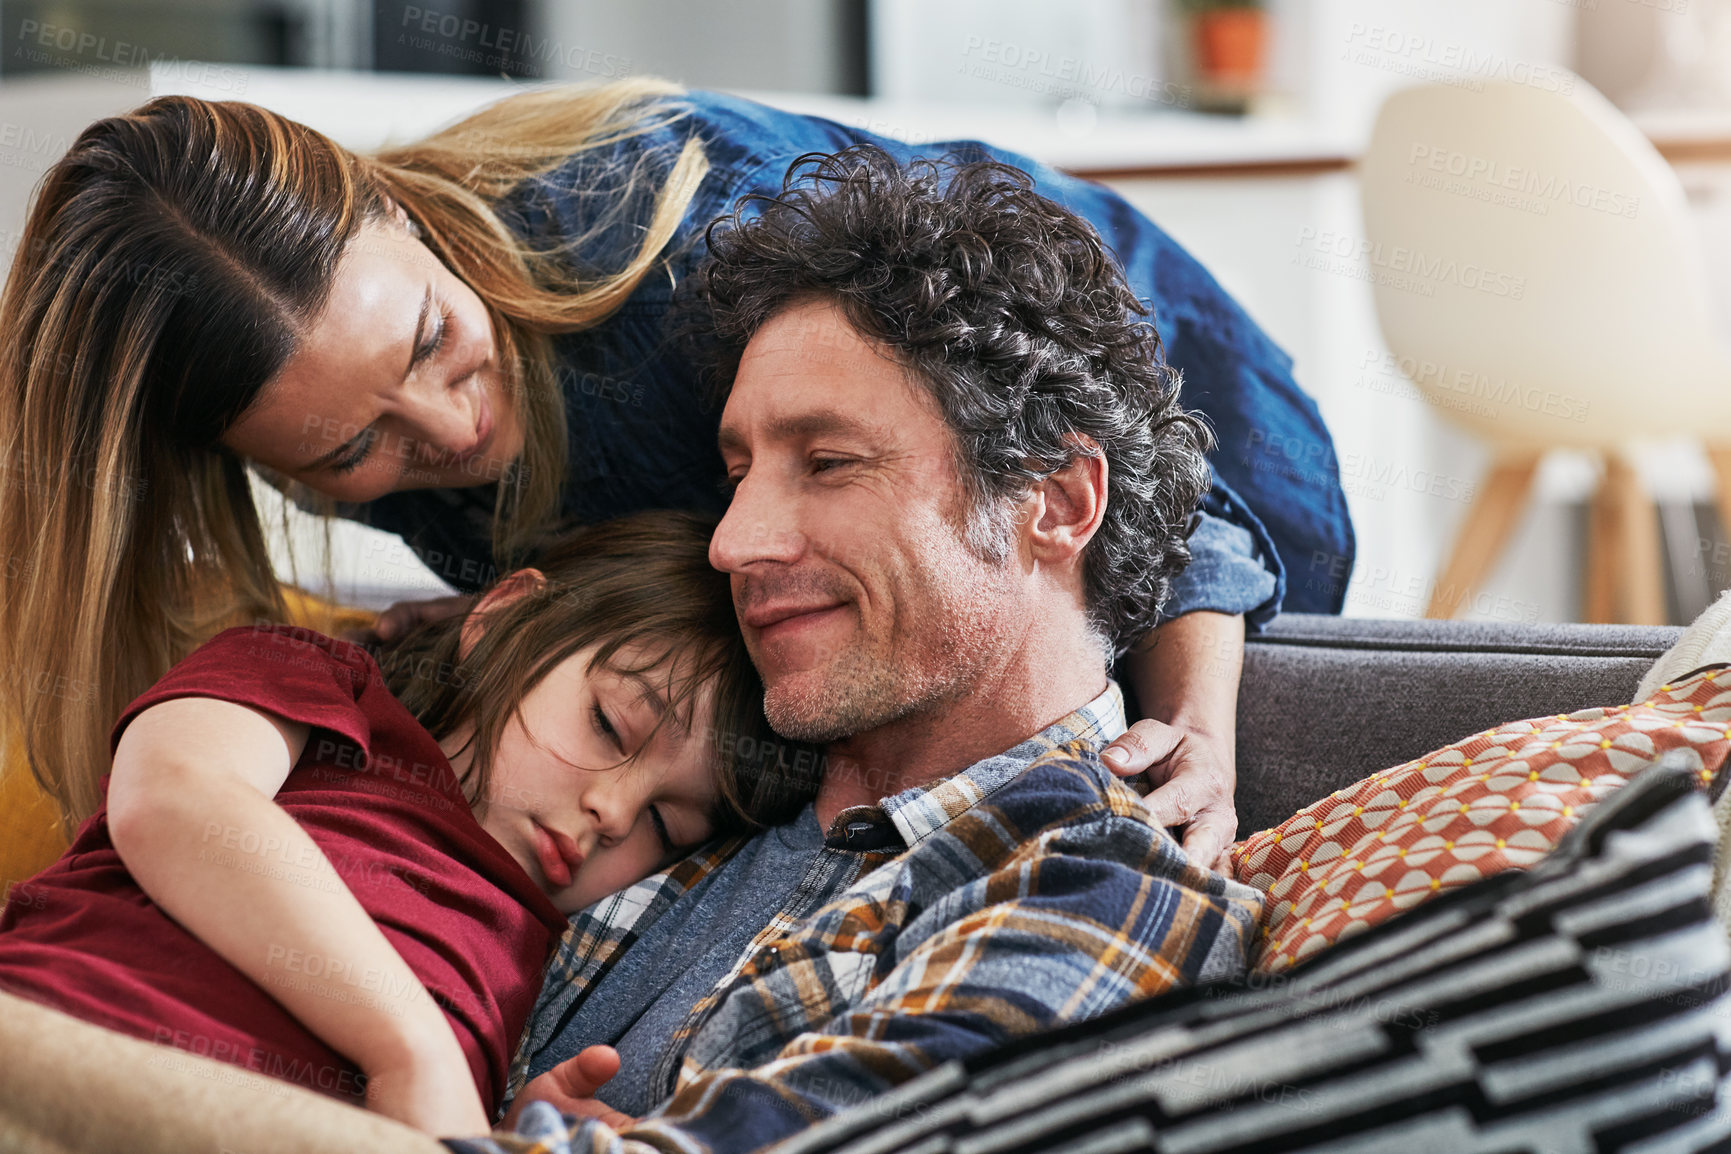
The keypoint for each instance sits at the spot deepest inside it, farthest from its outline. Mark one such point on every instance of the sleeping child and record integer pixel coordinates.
(352, 877)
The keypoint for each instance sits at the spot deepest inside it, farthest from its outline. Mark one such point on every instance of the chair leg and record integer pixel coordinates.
(1625, 580)
(1489, 522)
(1720, 456)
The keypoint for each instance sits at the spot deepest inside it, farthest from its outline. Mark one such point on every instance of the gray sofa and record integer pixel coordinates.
(1326, 701)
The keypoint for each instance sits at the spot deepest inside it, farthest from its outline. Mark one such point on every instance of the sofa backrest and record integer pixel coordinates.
(1326, 701)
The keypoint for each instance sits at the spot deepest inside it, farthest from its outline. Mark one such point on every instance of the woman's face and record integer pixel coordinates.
(579, 823)
(396, 386)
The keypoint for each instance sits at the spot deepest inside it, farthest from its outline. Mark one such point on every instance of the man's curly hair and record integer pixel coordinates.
(1010, 310)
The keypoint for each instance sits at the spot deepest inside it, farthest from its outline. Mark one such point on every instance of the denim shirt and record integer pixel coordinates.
(642, 427)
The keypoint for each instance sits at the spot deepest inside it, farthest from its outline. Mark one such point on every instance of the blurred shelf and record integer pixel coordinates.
(1101, 145)
(1688, 136)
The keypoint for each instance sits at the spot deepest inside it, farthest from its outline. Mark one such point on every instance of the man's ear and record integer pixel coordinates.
(507, 591)
(1065, 510)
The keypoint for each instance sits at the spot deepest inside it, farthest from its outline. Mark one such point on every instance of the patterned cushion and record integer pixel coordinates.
(1577, 1006)
(1495, 801)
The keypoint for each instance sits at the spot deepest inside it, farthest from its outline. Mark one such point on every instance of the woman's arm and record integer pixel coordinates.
(1186, 676)
(194, 775)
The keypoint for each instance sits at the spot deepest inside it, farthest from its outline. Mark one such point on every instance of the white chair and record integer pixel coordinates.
(1536, 273)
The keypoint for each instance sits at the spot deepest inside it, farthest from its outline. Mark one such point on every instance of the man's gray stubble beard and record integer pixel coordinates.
(869, 695)
(862, 692)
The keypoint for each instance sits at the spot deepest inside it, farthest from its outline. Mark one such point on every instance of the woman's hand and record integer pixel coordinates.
(1186, 675)
(570, 1088)
(1194, 777)
(429, 1087)
(404, 616)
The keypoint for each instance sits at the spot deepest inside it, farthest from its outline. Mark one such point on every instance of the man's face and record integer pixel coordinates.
(860, 603)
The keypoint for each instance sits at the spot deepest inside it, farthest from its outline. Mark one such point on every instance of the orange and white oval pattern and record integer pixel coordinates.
(1495, 801)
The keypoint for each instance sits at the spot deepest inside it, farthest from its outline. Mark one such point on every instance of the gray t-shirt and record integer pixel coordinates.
(636, 1008)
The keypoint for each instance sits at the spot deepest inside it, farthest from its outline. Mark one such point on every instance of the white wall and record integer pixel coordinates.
(1358, 51)
(40, 117)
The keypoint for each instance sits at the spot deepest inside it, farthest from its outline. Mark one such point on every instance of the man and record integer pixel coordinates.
(961, 487)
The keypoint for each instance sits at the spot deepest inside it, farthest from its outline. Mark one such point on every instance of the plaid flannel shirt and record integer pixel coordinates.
(1030, 890)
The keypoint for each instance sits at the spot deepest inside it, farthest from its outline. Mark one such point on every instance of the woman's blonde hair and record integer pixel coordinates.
(171, 261)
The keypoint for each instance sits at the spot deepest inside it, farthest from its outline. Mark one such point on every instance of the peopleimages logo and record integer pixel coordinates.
(75, 50)
(1446, 61)
(1516, 185)
(1467, 382)
(464, 38)
(1365, 474)
(1038, 70)
(1400, 267)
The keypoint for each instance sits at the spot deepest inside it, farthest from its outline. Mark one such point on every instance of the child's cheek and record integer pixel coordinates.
(610, 870)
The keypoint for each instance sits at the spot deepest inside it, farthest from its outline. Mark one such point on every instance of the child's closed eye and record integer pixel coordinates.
(693, 832)
(660, 824)
(604, 727)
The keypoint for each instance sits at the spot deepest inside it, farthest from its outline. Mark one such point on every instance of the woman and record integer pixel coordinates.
(455, 340)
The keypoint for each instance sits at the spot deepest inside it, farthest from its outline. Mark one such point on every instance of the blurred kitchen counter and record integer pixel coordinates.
(367, 110)
(1102, 144)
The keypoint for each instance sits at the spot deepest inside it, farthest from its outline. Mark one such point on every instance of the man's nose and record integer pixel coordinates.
(761, 524)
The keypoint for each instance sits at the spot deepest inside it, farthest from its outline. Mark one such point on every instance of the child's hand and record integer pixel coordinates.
(438, 1097)
(570, 1088)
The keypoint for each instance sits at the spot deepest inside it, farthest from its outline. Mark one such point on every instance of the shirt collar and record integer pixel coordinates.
(923, 810)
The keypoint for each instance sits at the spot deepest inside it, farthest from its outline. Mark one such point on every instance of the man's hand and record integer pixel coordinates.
(400, 618)
(570, 1088)
(1194, 779)
(1186, 676)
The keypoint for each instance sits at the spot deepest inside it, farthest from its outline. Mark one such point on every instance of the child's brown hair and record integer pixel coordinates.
(641, 584)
